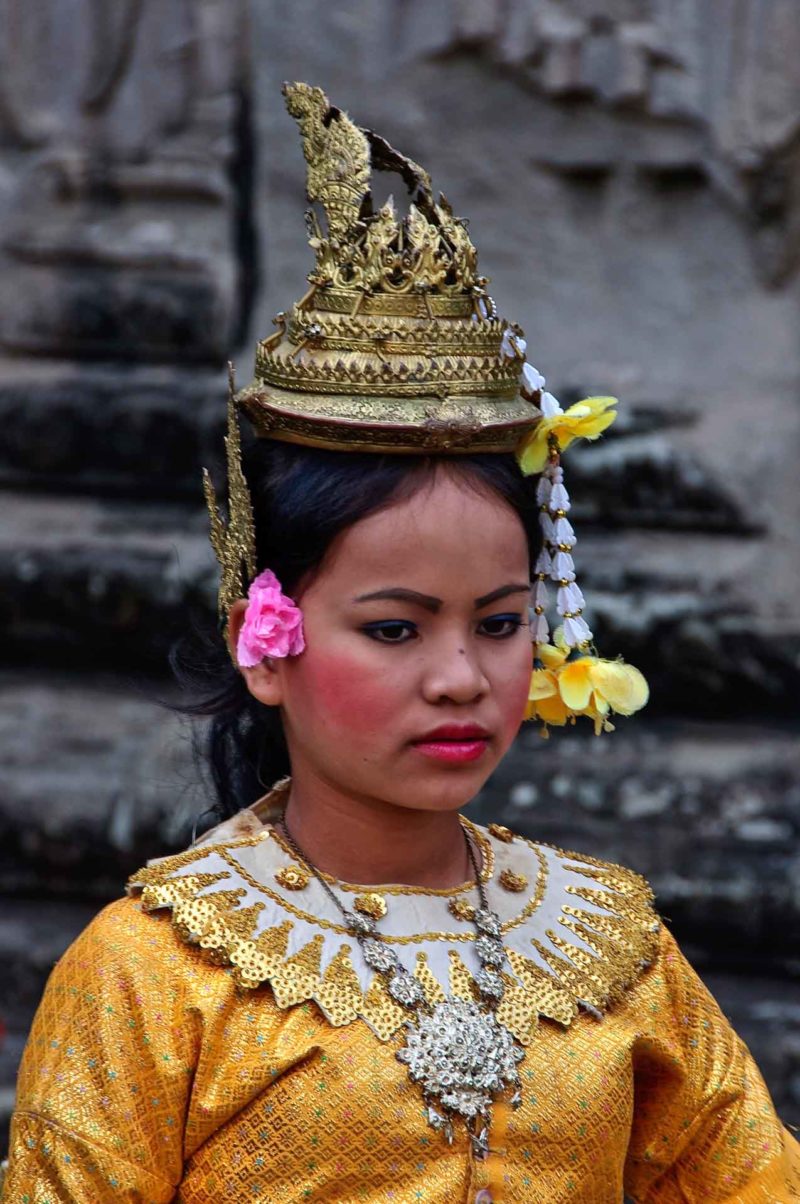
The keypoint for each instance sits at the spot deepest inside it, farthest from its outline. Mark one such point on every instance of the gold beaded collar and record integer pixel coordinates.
(578, 933)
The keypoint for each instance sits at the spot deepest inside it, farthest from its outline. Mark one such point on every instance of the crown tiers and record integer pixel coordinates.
(396, 347)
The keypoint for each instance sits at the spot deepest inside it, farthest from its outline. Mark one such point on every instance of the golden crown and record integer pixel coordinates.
(396, 345)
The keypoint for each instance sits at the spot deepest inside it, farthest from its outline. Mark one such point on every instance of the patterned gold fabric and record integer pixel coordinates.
(151, 1076)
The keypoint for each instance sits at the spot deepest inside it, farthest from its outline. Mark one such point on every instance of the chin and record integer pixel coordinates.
(442, 791)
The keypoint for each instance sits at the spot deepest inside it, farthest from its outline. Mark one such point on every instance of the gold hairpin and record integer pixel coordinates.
(233, 542)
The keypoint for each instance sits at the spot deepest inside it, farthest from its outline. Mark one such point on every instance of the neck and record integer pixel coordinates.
(369, 842)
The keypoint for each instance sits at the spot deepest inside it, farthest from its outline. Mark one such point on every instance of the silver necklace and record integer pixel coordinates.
(459, 1053)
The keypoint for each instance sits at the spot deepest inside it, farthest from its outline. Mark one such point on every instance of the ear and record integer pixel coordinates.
(263, 681)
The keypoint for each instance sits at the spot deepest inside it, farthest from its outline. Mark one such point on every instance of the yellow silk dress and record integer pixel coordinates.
(215, 1036)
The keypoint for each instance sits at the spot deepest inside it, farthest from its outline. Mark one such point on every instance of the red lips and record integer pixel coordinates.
(454, 731)
(454, 742)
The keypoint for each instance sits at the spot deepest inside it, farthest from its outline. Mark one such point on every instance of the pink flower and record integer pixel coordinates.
(273, 625)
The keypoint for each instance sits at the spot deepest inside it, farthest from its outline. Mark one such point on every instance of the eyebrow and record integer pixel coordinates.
(428, 602)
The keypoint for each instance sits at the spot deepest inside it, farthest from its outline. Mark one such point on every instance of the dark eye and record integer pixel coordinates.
(500, 627)
(390, 631)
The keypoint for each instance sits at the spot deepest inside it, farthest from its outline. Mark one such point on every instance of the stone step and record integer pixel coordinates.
(708, 812)
(640, 479)
(96, 778)
(145, 432)
(128, 430)
(109, 584)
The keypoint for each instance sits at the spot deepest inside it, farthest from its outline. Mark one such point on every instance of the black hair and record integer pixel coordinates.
(302, 499)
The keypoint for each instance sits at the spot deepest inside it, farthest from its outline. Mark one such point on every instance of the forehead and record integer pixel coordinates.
(446, 535)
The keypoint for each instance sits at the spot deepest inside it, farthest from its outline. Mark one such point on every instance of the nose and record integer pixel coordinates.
(454, 674)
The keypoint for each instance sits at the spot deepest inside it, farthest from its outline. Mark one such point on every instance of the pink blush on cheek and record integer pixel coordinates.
(347, 694)
(513, 700)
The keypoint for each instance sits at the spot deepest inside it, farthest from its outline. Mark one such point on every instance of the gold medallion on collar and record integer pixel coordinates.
(371, 904)
(512, 881)
(292, 877)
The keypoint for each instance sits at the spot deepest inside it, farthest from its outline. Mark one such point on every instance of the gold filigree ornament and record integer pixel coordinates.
(396, 345)
(233, 542)
(371, 904)
(499, 832)
(462, 909)
(512, 881)
(292, 877)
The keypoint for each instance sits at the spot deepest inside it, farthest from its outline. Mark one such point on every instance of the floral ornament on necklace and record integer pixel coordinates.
(273, 625)
(562, 688)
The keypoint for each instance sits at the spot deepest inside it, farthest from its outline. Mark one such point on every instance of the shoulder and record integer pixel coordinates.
(117, 926)
(593, 922)
(509, 847)
(121, 942)
(566, 881)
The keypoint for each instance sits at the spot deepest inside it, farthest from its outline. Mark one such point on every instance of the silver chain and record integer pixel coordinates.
(403, 986)
(455, 1083)
(301, 856)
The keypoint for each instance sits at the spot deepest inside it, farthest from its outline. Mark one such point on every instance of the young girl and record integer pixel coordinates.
(345, 991)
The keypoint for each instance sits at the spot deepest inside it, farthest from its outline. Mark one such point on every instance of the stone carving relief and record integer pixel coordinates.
(116, 140)
(726, 70)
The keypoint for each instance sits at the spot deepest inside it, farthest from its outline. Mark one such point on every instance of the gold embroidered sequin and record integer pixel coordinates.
(499, 832)
(509, 880)
(292, 877)
(599, 950)
(371, 904)
(462, 909)
(338, 927)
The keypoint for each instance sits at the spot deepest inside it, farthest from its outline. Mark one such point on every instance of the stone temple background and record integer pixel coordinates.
(632, 174)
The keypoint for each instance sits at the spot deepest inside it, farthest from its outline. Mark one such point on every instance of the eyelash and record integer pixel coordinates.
(512, 623)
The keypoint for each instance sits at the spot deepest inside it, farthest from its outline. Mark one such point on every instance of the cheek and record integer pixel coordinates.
(344, 692)
(512, 694)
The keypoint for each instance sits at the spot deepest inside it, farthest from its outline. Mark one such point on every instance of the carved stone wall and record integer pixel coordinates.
(125, 276)
(631, 172)
(117, 126)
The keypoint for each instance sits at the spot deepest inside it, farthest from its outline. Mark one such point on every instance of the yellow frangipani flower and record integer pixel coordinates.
(622, 686)
(553, 656)
(543, 685)
(584, 420)
(544, 700)
(575, 683)
(587, 685)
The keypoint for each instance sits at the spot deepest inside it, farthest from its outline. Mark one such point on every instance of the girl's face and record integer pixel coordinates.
(418, 655)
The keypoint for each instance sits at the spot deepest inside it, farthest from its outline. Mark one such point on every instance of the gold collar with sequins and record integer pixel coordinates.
(578, 932)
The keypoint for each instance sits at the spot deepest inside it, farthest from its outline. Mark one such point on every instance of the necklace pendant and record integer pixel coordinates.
(406, 989)
(462, 1058)
(487, 921)
(378, 956)
(480, 1143)
(490, 951)
(359, 925)
(490, 984)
